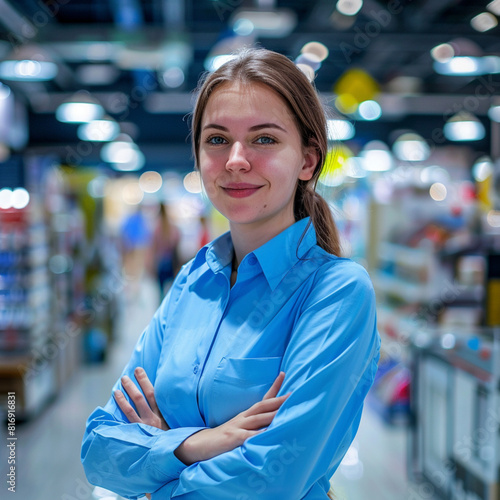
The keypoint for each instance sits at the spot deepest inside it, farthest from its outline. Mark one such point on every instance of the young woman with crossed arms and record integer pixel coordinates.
(250, 379)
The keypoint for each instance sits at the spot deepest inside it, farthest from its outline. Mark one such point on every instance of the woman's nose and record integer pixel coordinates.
(238, 158)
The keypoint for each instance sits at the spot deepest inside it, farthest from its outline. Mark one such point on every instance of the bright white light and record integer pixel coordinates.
(5, 198)
(333, 178)
(79, 112)
(411, 147)
(494, 113)
(27, 70)
(20, 198)
(275, 23)
(132, 194)
(376, 157)
(438, 191)
(443, 53)
(340, 130)
(243, 27)
(150, 182)
(448, 341)
(123, 155)
(307, 70)
(469, 66)
(484, 22)
(370, 110)
(433, 174)
(173, 77)
(214, 63)
(494, 7)
(349, 7)
(464, 130)
(493, 218)
(317, 49)
(192, 182)
(112, 151)
(98, 130)
(4, 91)
(482, 169)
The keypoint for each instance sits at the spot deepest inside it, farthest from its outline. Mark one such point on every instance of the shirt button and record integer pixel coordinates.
(195, 369)
(252, 260)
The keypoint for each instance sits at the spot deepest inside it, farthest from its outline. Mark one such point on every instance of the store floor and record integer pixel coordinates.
(48, 447)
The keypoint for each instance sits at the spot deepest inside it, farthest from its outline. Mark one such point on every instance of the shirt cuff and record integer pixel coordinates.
(161, 455)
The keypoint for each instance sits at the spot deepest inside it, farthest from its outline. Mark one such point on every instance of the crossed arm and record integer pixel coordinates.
(207, 443)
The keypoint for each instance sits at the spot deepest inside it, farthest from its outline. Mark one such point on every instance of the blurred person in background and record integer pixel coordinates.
(250, 379)
(163, 257)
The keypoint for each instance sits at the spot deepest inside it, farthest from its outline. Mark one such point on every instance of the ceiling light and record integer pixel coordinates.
(369, 110)
(243, 27)
(469, 66)
(494, 7)
(494, 113)
(5, 198)
(482, 169)
(376, 157)
(317, 49)
(20, 198)
(150, 182)
(173, 77)
(443, 53)
(340, 130)
(349, 7)
(277, 23)
(28, 63)
(123, 154)
(411, 147)
(82, 107)
(484, 22)
(464, 126)
(215, 62)
(102, 130)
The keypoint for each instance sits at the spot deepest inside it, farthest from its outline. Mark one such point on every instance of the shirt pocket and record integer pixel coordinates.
(238, 384)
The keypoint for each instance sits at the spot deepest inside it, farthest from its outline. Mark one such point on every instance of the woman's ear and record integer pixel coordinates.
(311, 158)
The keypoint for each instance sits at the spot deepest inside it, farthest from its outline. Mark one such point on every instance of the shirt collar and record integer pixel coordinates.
(276, 257)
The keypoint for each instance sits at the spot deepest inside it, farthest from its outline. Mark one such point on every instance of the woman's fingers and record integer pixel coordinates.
(136, 396)
(126, 407)
(147, 388)
(274, 389)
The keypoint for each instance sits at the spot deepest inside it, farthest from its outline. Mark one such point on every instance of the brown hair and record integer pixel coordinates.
(281, 75)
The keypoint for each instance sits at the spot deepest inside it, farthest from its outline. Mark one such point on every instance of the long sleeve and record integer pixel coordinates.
(330, 362)
(133, 459)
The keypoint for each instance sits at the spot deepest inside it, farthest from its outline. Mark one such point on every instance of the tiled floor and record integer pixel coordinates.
(48, 447)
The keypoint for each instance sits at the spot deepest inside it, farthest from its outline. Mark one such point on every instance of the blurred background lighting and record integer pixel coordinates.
(443, 53)
(5, 198)
(411, 147)
(376, 157)
(494, 113)
(96, 187)
(150, 182)
(102, 130)
(494, 7)
(493, 218)
(173, 77)
(482, 169)
(243, 27)
(484, 22)
(316, 48)
(464, 126)
(349, 7)
(448, 341)
(276, 23)
(82, 107)
(20, 198)
(370, 110)
(132, 194)
(307, 70)
(192, 182)
(28, 70)
(469, 66)
(438, 191)
(215, 62)
(4, 91)
(340, 130)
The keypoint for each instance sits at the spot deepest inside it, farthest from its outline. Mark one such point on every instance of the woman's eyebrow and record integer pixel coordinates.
(251, 129)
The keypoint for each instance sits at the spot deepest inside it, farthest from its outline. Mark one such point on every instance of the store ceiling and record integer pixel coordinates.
(389, 39)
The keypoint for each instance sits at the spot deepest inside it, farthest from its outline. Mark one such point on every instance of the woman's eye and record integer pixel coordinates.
(265, 140)
(216, 139)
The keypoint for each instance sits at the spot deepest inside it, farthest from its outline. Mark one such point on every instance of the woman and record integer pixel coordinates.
(250, 379)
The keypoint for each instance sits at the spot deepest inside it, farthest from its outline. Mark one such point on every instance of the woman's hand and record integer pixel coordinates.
(209, 443)
(147, 409)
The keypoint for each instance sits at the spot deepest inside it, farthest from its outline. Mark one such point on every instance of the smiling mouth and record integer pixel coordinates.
(241, 192)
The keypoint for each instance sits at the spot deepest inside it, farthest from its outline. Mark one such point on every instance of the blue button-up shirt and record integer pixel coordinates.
(212, 351)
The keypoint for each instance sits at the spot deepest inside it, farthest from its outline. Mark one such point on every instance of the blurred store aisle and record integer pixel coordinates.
(48, 447)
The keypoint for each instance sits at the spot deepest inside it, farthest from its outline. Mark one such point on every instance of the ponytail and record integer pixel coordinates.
(308, 203)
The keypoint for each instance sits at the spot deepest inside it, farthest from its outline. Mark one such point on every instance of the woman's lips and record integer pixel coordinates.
(240, 190)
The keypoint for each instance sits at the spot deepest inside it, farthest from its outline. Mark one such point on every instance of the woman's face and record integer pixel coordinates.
(251, 156)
